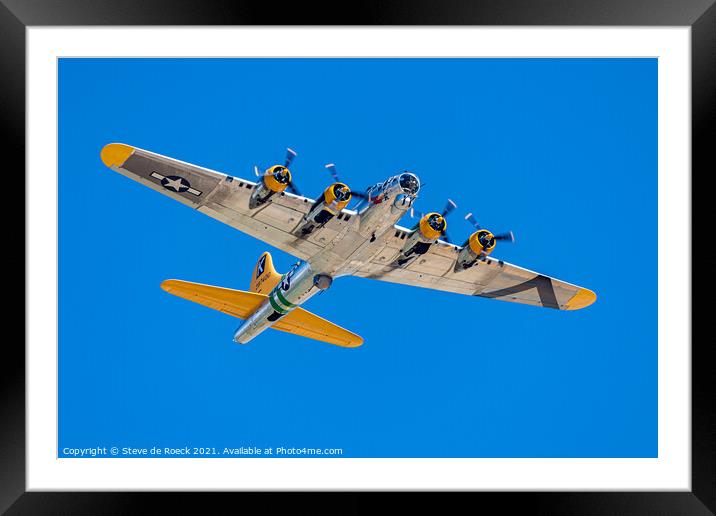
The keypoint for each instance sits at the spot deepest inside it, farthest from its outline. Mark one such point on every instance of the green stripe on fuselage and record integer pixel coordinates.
(283, 299)
(275, 306)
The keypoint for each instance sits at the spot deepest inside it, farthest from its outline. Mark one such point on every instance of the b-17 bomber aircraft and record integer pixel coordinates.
(331, 241)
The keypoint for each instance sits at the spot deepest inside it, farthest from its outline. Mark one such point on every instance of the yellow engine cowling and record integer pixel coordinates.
(432, 226)
(277, 178)
(336, 197)
(482, 242)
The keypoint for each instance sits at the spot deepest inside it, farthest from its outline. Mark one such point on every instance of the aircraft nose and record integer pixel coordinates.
(409, 182)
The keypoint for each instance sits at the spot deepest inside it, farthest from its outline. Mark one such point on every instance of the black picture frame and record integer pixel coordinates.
(17, 15)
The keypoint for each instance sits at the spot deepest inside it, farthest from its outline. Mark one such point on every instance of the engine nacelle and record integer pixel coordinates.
(480, 244)
(274, 180)
(430, 228)
(328, 205)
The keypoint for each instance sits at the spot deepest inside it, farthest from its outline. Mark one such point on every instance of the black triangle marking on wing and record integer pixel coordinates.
(544, 287)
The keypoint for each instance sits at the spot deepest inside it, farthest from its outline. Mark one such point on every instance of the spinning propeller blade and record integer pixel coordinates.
(449, 207)
(507, 237)
(332, 170)
(290, 154)
(293, 189)
(361, 196)
(472, 220)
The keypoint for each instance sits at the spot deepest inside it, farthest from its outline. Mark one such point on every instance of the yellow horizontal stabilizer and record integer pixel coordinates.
(233, 302)
(241, 304)
(304, 323)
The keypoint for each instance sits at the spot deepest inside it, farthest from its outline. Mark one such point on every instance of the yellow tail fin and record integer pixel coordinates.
(264, 277)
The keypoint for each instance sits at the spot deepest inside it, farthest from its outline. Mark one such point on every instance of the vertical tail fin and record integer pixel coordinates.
(264, 277)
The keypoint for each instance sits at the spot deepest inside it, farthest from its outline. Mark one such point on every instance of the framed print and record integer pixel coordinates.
(263, 257)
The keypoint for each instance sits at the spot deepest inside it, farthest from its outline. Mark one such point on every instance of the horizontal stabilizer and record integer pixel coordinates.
(304, 323)
(237, 303)
(242, 304)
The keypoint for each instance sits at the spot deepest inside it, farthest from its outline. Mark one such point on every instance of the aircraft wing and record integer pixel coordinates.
(491, 278)
(220, 196)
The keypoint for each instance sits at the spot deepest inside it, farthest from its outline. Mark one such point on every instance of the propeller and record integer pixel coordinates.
(331, 167)
(472, 220)
(508, 236)
(449, 207)
(292, 188)
(290, 155)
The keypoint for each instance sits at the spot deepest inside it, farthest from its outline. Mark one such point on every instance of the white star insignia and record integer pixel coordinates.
(176, 184)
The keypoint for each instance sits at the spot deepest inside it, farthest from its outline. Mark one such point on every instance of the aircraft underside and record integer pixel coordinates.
(330, 240)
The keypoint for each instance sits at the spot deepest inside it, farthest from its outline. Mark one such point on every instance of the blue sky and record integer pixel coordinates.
(561, 151)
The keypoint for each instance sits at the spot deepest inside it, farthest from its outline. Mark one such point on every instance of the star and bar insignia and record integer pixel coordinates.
(175, 183)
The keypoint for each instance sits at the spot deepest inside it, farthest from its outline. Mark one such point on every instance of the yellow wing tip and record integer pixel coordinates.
(583, 298)
(355, 342)
(115, 154)
(168, 284)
